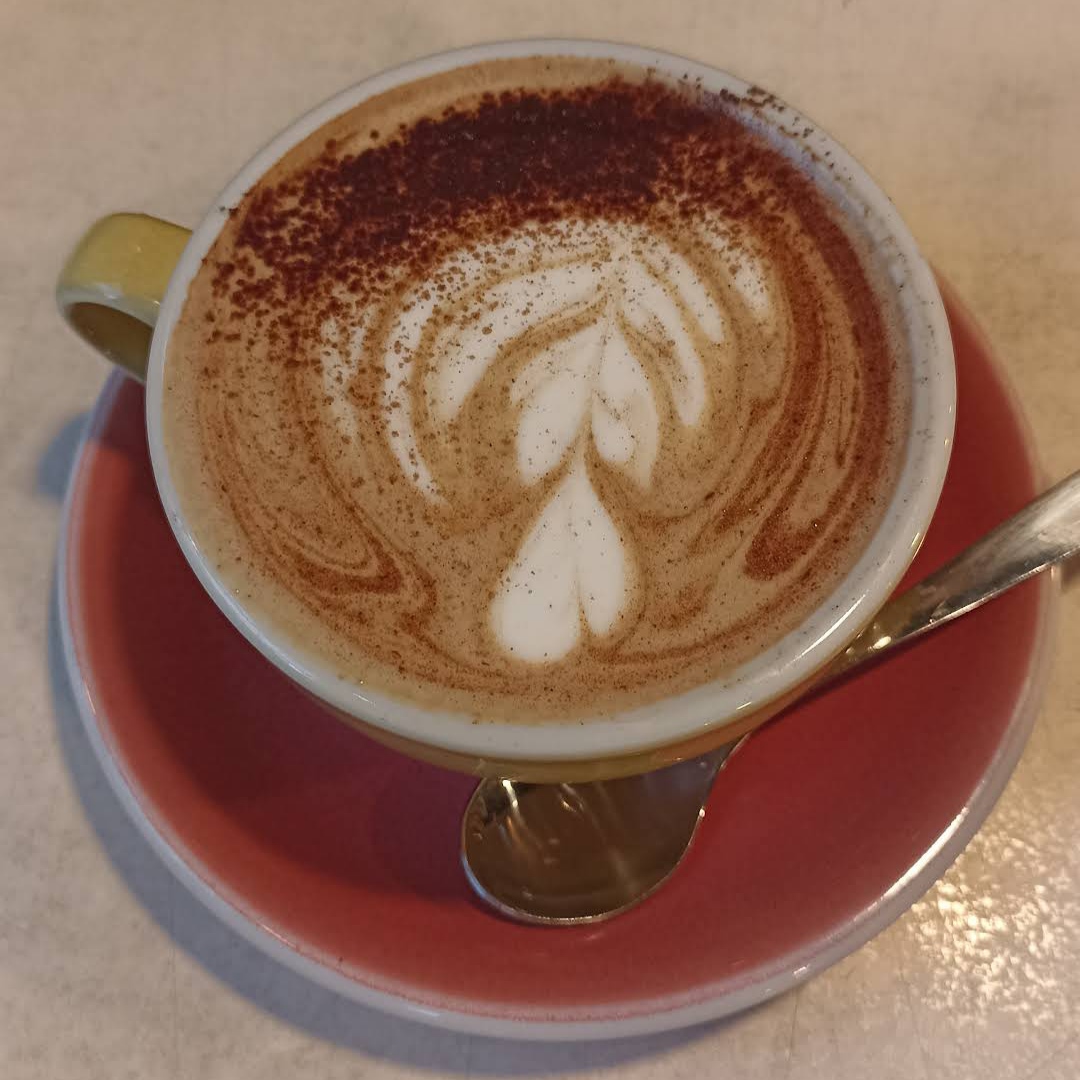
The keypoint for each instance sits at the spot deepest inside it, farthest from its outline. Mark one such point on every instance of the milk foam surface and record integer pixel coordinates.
(542, 441)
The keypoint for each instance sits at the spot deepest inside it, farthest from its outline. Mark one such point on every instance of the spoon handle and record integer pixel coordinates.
(1043, 533)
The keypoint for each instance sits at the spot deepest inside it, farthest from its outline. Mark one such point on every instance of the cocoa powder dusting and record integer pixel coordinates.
(612, 151)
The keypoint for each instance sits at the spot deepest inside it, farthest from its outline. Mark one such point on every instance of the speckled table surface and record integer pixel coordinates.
(966, 112)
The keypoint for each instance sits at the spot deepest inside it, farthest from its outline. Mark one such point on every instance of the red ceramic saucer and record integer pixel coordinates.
(340, 858)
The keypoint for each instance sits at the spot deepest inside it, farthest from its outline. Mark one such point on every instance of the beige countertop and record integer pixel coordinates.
(966, 111)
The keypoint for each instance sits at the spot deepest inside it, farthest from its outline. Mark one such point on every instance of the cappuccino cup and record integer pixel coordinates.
(549, 409)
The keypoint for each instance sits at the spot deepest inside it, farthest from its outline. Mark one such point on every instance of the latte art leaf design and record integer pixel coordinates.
(596, 353)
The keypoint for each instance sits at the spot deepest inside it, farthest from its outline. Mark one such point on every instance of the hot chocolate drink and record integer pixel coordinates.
(536, 389)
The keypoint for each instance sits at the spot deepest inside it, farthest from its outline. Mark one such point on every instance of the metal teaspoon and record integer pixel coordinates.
(561, 854)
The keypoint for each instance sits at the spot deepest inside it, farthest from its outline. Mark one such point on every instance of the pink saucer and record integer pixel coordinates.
(340, 858)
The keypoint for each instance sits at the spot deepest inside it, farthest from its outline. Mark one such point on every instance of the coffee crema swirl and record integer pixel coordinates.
(535, 389)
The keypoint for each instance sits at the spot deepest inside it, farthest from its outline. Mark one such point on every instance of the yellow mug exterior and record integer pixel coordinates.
(111, 288)
(565, 771)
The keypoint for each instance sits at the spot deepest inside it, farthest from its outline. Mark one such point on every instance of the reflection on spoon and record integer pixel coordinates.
(562, 854)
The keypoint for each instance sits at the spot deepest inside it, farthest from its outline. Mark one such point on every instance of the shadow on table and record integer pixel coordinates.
(238, 964)
(54, 468)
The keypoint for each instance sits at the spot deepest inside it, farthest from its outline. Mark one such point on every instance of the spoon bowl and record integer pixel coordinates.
(525, 842)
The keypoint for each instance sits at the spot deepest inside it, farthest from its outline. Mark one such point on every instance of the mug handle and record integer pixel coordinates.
(111, 287)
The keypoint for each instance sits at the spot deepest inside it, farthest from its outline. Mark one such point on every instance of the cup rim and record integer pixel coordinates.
(753, 685)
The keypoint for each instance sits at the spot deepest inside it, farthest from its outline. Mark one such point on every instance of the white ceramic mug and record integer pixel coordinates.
(126, 283)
